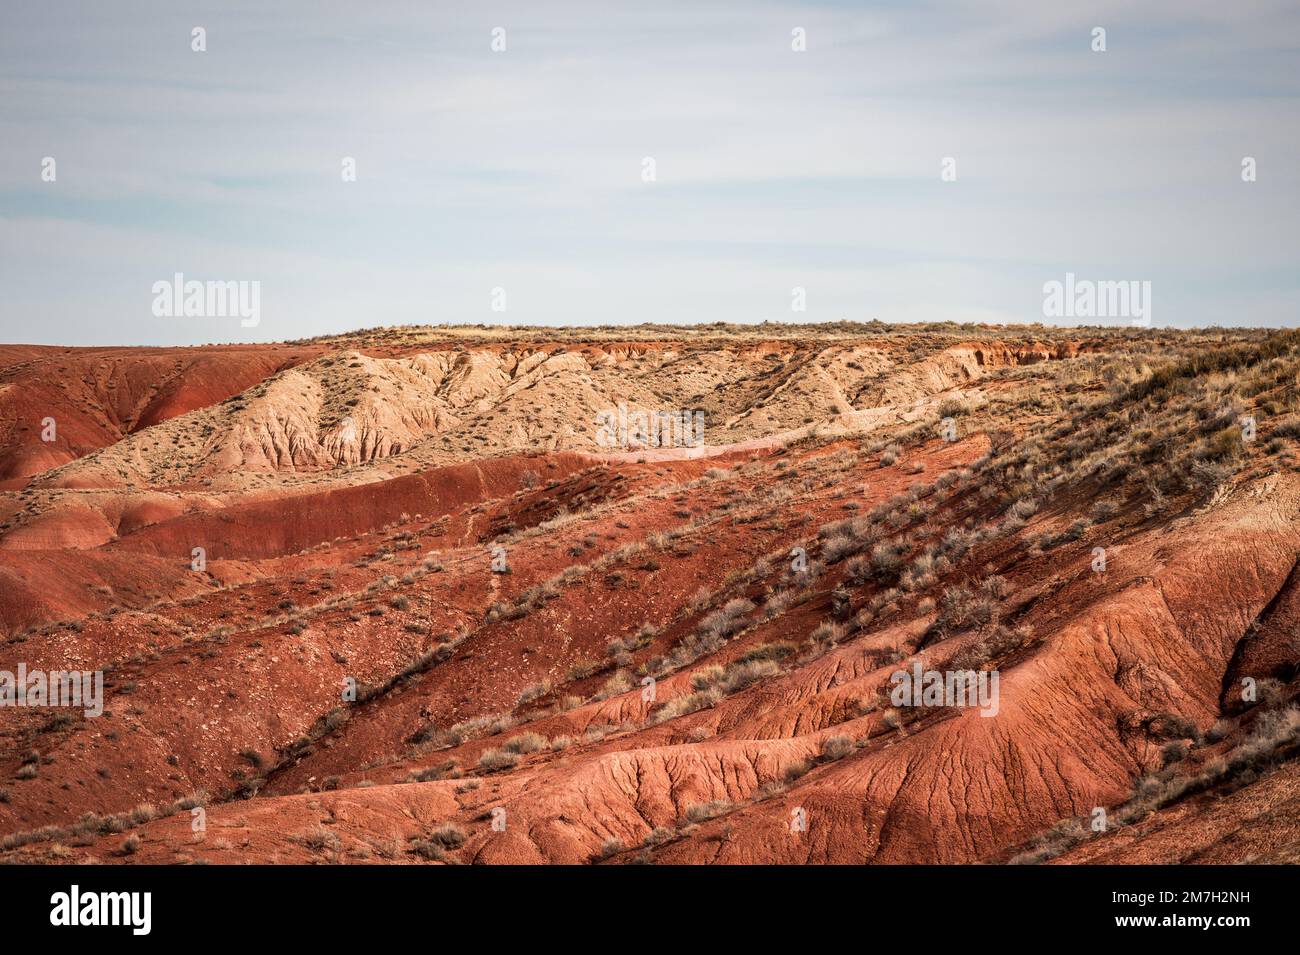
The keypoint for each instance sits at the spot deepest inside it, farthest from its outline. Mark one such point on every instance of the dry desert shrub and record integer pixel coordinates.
(525, 743)
(701, 812)
(835, 747)
(318, 838)
(448, 835)
(495, 760)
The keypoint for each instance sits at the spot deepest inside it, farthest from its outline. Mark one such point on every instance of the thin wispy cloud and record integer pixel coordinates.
(522, 169)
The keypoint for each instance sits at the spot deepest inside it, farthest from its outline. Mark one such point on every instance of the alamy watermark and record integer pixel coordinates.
(1085, 298)
(194, 299)
(917, 687)
(81, 689)
(133, 910)
(637, 428)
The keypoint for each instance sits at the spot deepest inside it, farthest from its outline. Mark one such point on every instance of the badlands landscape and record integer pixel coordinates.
(404, 596)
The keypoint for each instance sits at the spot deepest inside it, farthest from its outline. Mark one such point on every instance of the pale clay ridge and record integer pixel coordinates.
(348, 410)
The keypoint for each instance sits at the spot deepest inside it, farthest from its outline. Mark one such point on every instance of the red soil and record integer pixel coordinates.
(228, 678)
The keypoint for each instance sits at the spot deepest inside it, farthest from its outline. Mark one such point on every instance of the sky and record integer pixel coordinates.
(516, 179)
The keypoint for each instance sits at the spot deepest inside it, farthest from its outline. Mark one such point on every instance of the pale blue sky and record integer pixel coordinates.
(522, 169)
